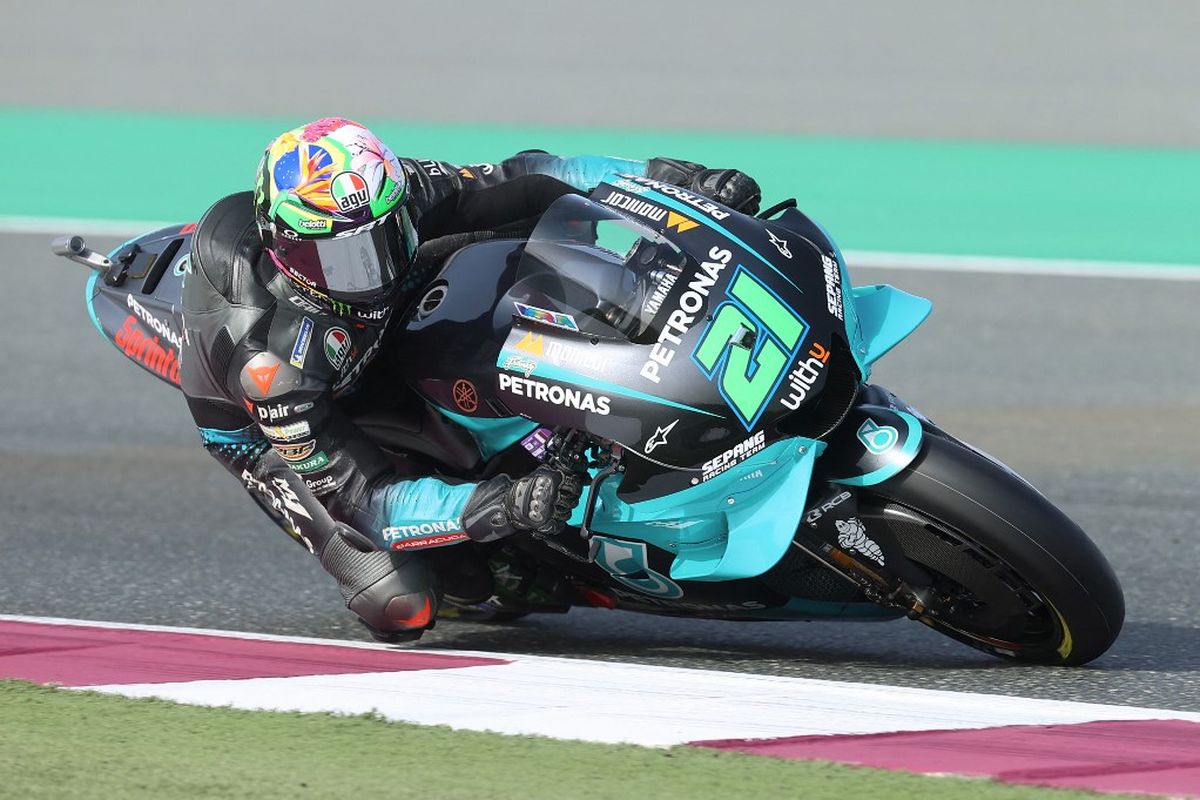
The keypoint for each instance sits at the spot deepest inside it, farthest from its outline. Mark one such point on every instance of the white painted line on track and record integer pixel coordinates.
(939, 262)
(59, 226)
(1055, 267)
(640, 704)
(617, 702)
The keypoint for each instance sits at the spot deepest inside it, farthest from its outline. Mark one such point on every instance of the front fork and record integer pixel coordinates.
(879, 437)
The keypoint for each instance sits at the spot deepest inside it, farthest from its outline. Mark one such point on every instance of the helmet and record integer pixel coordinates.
(330, 206)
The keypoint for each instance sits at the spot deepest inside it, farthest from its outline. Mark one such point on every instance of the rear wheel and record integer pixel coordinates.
(1012, 575)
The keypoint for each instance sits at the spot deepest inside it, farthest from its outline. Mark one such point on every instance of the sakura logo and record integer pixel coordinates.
(780, 244)
(852, 536)
(525, 366)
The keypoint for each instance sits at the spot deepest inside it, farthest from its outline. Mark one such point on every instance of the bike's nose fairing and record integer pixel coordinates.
(663, 321)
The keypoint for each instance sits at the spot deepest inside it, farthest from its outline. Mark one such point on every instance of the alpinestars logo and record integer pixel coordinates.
(659, 438)
(780, 243)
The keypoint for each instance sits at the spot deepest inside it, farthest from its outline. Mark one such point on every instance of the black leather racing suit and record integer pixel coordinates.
(264, 372)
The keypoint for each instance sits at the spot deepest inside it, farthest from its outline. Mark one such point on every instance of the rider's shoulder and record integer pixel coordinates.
(226, 241)
(267, 376)
(290, 349)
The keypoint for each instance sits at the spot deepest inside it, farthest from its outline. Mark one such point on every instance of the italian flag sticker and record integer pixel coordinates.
(337, 347)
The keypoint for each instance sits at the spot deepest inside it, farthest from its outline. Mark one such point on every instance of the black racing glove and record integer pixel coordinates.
(730, 187)
(542, 502)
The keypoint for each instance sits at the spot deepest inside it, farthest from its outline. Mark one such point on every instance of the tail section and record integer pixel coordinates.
(135, 296)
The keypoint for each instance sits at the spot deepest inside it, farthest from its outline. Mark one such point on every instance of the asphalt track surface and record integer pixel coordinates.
(112, 511)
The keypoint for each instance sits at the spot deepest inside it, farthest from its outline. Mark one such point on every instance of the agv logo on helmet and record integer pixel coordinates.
(349, 191)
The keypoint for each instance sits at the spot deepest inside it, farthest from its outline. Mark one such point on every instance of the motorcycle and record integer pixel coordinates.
(709, 372)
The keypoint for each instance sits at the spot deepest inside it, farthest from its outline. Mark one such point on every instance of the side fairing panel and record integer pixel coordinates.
(736, 525)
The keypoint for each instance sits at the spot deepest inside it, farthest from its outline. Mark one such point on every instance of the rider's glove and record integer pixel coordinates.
(731, 187)
(541, 501)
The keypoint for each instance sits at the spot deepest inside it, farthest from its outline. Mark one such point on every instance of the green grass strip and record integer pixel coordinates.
(64, 744)
(895, 195)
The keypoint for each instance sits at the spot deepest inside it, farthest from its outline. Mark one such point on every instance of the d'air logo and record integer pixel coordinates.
(349, 191)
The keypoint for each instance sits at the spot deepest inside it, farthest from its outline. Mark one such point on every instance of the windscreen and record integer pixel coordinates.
(608, 273)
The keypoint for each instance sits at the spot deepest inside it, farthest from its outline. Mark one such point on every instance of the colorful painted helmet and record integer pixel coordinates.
(330, 205)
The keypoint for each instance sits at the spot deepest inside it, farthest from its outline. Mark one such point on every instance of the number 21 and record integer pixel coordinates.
(748, 373)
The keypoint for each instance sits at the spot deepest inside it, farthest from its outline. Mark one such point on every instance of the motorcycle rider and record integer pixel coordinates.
(289, 298)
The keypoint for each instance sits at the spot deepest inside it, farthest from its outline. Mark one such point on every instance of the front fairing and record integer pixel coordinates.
(718, 383)
(682, 364)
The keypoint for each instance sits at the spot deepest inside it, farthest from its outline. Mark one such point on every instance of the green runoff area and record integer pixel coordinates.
(1108, 204)
(57, 743)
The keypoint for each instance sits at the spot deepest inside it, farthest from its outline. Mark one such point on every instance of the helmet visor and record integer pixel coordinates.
(356, 268)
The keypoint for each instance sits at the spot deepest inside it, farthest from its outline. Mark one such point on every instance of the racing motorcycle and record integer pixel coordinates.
(708, 371)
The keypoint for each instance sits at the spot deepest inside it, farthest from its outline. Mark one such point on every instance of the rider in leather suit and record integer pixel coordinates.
(292, 290)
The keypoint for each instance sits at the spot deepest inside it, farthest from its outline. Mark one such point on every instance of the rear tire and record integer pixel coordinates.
(1029, 584)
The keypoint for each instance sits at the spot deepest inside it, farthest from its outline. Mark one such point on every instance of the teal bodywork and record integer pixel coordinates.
(492, 435)
(877, 317)
(897, 458)
(739, 524)
(885, 317)
(732, 524)
(89, 294)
